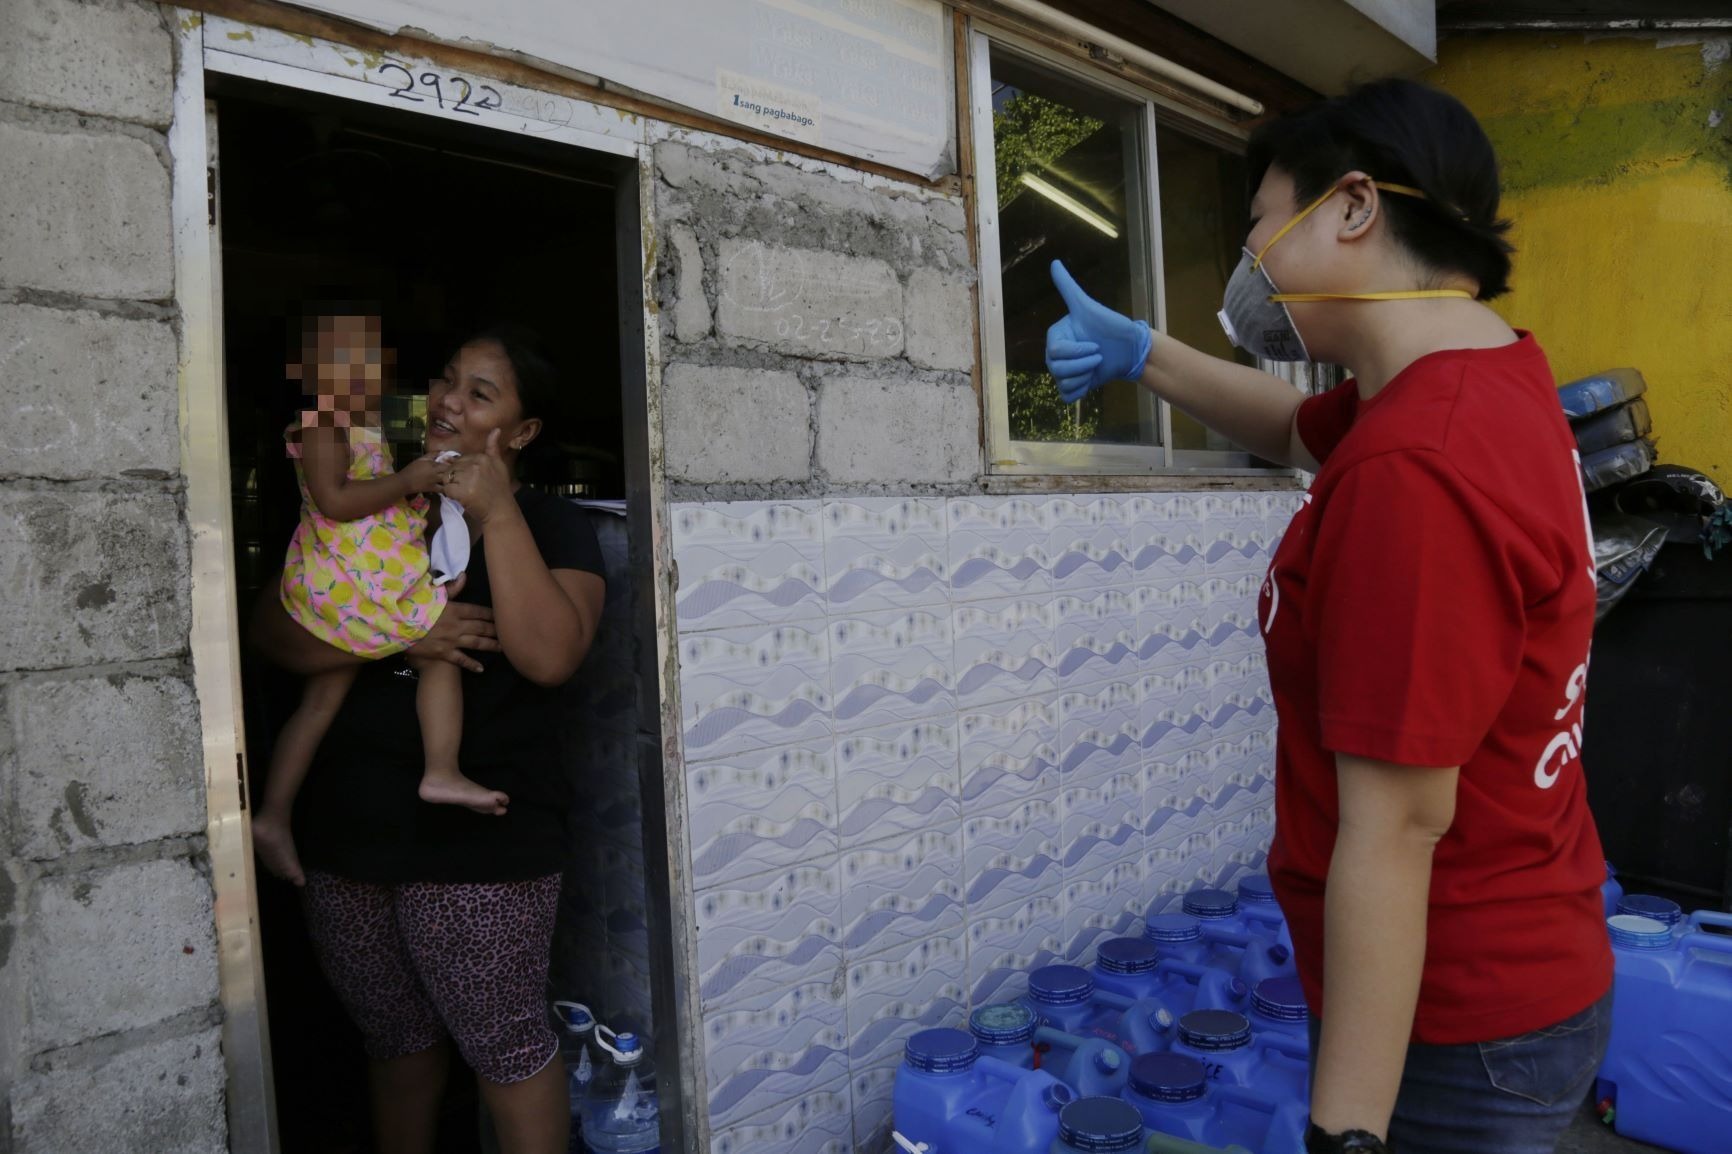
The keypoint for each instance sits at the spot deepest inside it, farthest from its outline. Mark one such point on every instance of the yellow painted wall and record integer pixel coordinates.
(1617, 169)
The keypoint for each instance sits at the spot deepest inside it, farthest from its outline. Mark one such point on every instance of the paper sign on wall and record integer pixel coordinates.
(767, 107)
(872, 79)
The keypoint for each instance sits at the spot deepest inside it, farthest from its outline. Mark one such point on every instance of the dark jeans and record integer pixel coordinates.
(1512, 1096)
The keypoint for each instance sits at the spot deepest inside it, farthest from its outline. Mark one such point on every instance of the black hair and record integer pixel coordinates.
(538, 391)
(305, 329)
(1402, 132)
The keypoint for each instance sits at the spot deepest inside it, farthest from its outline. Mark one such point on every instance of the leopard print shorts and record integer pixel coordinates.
(416, 963)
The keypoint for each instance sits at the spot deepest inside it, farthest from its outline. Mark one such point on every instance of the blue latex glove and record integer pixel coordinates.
(1091, 344)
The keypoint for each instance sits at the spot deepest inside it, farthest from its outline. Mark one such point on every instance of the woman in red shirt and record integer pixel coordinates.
(1427, 618)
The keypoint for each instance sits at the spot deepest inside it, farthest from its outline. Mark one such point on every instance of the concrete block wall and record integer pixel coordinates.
(109, 1021)
(818, 330)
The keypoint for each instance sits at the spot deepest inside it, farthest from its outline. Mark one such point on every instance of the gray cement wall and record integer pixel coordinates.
(817, 330)
(109, 1022)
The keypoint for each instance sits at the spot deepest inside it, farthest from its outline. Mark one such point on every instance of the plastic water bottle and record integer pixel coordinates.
(1668, 1069)
(1005, 1030)
(1178, 937)
(620, 1111)
(955, 1101)
(578, 1024)
(1612, 891)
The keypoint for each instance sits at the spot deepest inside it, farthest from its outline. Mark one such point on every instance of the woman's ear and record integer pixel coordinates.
(1362, 207)
(526, 432)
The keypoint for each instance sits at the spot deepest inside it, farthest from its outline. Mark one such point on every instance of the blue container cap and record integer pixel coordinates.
(1003, 1024)
(1214, 1030)
(941, 1051)
(1215, 904)
(1169, 1077)
(1127, 956)
(1256, 888)
(1635, 932)
(1662, 910)
(1060, 985)
(1280, 999)
(1100, 1124)
(1173, 929)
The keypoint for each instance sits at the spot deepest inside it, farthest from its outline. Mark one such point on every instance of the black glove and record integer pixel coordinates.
(1319, 1141)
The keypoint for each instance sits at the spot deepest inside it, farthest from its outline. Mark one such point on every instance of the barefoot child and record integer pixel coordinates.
(360, 576)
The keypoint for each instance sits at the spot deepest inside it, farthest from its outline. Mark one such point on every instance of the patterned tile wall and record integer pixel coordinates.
(932, 743)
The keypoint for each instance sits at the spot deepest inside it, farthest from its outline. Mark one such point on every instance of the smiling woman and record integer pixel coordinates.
(437, 924)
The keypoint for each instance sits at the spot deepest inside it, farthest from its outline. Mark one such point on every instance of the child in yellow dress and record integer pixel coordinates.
(360, 575)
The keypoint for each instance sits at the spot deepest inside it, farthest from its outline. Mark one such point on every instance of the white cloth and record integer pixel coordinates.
(449, 553)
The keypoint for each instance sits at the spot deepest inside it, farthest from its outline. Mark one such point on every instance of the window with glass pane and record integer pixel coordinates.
(1070, 163)
(1204, 208)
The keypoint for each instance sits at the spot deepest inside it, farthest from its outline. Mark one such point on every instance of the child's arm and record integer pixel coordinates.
(325, 464)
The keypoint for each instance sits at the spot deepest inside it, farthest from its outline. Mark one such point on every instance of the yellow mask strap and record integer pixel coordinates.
(1402, 189)
(1406, 295)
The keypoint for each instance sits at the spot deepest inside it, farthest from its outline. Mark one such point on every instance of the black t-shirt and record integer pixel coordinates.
(359, 816)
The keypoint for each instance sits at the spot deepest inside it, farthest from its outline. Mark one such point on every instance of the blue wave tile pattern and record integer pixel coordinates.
(931, 743)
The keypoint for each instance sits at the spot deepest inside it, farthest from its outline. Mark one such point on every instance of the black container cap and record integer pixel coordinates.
(1127, 956)
(1100, 1124)
(1211, 904)
(1214, 1030)
(1169, 1077)
(1060, 985)
(941, 1051)
(1282, 999)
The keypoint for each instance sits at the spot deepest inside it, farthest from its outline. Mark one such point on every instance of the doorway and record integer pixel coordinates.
(443, 228)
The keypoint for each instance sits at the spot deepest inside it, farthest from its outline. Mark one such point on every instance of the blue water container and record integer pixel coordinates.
(1612, 891)
(1221, 1040)
(1098, 1125)
(1090, 1066)
(1127, 966)
(1266, 1123)
(1278, 1005)
(1170, 1092)
(1178, 937)
(949, 1097)
(1185, 987)
(1174, 1096)
(1259, 910)
(1251, 957)
(1065, 998)
(1217, 910)
(1668, 1069)
(1005, 1030)
(1276, 1065)
(1663, 910)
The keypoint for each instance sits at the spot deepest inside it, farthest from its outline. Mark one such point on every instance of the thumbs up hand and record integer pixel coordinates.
(1091, 344)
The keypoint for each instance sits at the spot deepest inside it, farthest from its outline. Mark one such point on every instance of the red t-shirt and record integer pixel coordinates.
(1431, 605)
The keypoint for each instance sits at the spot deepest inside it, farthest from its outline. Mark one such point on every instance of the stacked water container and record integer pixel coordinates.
(1193, 1037)
(1667, 1078)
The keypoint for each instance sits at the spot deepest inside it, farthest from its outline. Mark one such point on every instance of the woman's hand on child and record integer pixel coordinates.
(480, 482)
(460, 627)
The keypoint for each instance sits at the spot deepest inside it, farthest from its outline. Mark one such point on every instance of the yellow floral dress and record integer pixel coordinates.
(364, 586)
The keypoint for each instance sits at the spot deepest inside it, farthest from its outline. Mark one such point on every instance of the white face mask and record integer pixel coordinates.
(1255, 314)
(1255, 320)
